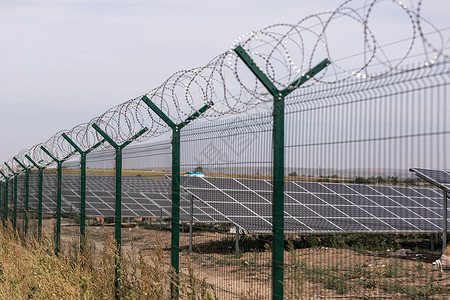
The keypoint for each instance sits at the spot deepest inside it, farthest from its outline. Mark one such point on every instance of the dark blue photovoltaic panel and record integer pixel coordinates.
(405, 201)
(321, 207)
(409, 192)
(333, 199)
(386, 190)
(256, 185)
(358, 200)
(363, 189)
(379, 212)
(354, 211)
(303, 198)
(141, 196)
(432, 193)
(326, 211)
(310, 207)
(382, 200)
(438, 176)
(225, 183)
(290, 187)
(312, 187)
(297, 210)
(348, 225)
(340, 189)
(377, 225)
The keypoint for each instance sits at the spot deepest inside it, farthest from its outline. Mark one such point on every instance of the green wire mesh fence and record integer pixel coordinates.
(293, 183)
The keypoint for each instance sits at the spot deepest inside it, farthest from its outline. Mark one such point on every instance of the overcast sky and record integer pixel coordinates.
(64, 62)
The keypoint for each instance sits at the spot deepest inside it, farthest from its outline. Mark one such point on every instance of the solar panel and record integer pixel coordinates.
(141, 197)
(48, 195)
(439, 178)
(310, 207)
(313, 207)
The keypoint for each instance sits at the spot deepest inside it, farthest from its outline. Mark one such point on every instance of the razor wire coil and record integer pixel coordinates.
(283, 52)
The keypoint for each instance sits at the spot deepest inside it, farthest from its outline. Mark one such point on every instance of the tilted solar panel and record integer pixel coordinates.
(314, 207)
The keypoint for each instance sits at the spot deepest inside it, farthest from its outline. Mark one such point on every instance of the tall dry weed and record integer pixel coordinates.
(29, 269)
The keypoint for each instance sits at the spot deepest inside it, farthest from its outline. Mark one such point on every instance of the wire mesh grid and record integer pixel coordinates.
(348, 200)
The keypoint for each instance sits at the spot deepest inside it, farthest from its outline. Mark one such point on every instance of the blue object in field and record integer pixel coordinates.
(194, 174)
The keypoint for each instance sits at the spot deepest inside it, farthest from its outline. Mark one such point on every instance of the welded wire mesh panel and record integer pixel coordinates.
(70, 189)
(349, 149)
(21, 191)
(100, 184)
(100, 197)
(33, 204)
(21, 203)
(70, 208)
(49, 192)
(223, 164)
(10, 199)
(154, 156)
(49, 185)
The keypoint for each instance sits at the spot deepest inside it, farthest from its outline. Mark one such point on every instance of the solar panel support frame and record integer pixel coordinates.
(278, 162)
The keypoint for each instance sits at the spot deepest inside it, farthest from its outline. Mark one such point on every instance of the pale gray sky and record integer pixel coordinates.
(64, 62)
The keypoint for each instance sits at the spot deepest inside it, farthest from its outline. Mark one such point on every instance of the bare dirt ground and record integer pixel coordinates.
(313, 273)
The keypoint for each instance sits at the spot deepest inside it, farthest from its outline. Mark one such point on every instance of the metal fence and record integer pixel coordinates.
(293, 181)
(320, 205)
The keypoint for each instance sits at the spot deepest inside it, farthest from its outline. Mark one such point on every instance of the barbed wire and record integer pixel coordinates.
(284, 52)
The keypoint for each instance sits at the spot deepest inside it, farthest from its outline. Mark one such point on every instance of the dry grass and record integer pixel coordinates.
(30, 270)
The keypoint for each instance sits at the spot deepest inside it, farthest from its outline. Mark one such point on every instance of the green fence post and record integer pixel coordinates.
(175, 222)
(118, 209)
(278, 163)
(15, 174)
(175, 255)
(83, 167)
(15, 202)
(27, 199)
(5, 215)
(82, 201)
(27, 193)
(59, 163)
(40, 189)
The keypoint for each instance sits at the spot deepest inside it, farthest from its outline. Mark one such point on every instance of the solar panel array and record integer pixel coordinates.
(141, 197)
(49, 195)
(313, 207)
(310, 207)
(439, 178)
